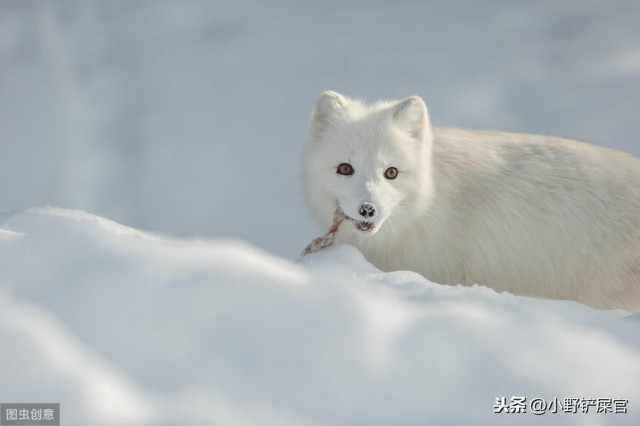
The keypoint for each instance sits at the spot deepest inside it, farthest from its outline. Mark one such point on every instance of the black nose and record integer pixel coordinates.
(367, 210)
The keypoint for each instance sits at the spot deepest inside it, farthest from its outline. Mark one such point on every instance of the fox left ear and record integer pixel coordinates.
(411, 115)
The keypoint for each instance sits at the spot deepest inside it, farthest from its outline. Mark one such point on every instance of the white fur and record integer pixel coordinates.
(528, 214)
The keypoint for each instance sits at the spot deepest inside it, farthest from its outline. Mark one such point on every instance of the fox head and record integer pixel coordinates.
(372, 161)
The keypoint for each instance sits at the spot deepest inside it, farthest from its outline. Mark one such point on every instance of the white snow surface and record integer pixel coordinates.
(123, 327)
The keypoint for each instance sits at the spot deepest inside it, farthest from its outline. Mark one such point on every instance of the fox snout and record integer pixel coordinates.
(367, 210)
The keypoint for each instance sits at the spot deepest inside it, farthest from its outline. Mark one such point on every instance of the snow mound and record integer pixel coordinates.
(123, 327)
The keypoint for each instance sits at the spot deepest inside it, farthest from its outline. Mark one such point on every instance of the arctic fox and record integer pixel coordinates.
(532, 215)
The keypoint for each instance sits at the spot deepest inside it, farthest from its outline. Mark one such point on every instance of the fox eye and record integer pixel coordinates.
(391, 173)
(345, 169)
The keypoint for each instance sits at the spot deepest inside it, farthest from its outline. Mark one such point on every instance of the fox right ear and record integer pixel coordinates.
(328, 103)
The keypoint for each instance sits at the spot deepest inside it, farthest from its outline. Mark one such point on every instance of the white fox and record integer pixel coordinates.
(531, 215)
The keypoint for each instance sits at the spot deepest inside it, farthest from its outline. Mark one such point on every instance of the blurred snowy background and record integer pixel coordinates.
(188, 117)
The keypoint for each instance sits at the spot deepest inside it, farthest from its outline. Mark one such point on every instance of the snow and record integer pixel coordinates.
(187, 118)
(124, 327)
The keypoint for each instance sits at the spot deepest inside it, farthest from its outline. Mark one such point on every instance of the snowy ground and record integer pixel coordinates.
(123, 327)
(187, 118)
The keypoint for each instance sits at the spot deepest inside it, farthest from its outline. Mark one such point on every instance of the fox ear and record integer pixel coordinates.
(411, 115)
(328, 103)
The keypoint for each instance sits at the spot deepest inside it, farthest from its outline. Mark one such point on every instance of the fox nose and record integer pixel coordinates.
(367, 210)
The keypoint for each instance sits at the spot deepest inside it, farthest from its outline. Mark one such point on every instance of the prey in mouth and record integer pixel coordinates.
(362, 226)
(327, 239)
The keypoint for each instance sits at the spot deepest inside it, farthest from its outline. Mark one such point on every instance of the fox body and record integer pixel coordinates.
(532, 215)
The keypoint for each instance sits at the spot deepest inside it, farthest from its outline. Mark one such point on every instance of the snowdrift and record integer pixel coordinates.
(123, 327)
